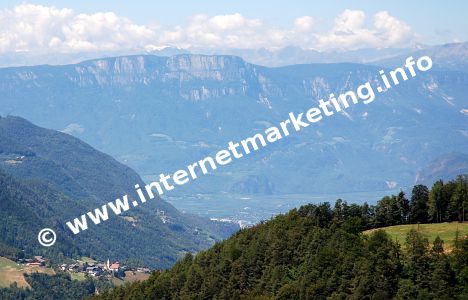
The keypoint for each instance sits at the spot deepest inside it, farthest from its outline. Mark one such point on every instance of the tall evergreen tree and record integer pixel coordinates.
(418, 204)
(438, 202)
(387, 212)
(459, 199)
(403, 207)
(442, 275)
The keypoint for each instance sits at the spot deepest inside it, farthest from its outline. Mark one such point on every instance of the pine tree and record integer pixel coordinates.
(437, 202)
(418, 204)
(387, 212)
(442, 275)
(459, 199)
(403, 207)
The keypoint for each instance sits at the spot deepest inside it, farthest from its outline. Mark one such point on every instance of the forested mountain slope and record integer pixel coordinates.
(313, 252)
(48, 178)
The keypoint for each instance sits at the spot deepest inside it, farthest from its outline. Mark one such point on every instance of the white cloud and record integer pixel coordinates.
(40, 28)
(393, 30)
(43, 29)
(224, 31)
(350, 32)
(350, 21)
(304, 23)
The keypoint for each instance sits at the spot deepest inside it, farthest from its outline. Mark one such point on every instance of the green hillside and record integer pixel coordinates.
(446, 231)
(314, 252)
(48, 177)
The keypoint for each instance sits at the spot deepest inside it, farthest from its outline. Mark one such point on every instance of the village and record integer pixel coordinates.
(86, 267)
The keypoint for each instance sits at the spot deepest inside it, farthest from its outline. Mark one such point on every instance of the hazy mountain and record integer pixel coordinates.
(13, 59)
(446, 57)
(453, 56)
(296, 55)
(272, 58)
(158, 114)
(445, 167)
(48, 178)
(290, 55)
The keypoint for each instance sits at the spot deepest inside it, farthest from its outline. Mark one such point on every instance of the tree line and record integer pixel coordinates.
(444, 202)
(314, 252)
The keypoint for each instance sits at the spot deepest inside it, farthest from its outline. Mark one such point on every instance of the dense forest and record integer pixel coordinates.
(59, 286)
(293, 258)
(443, 203)
(319, 252)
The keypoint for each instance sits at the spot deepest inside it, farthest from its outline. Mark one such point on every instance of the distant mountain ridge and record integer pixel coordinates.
(288, 55)
(160, 113)
(445, 167)
(447, 57)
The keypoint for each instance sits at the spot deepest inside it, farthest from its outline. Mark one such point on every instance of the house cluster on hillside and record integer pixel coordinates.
(37, 261)
(100, 269)
(94, 269)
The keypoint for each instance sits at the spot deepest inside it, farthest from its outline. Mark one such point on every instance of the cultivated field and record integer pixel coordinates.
(12, 272)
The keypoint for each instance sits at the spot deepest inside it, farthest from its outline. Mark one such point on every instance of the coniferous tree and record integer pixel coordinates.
(417, 263)
(459, 199)
(460, 265)
(437, 202)
(442, 275)
(387, 212)
(403, 207)
(419, 204)
(311, 253)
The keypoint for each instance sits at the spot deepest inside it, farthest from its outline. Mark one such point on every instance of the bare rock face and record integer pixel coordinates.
(192, 76)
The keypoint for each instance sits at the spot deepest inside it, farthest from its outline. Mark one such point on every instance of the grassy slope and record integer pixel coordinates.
(446, 231)
(130, 277)
(78, 276)
(12, 272)
(88, 260)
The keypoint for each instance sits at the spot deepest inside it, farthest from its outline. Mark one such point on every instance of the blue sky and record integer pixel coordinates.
(436, 21)
(79, 26)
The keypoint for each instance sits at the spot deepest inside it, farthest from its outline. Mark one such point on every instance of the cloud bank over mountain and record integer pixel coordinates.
(48, 29)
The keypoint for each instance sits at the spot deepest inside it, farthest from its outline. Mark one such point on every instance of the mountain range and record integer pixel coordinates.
(278, 57)
(158, 114)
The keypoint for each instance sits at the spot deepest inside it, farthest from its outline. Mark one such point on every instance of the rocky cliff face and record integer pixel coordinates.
(189, 75)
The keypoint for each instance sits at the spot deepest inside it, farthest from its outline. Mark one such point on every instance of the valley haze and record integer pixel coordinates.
(233, 150)
(364, 92)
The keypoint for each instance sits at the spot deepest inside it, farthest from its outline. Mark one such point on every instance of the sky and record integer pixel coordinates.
(81, 26)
